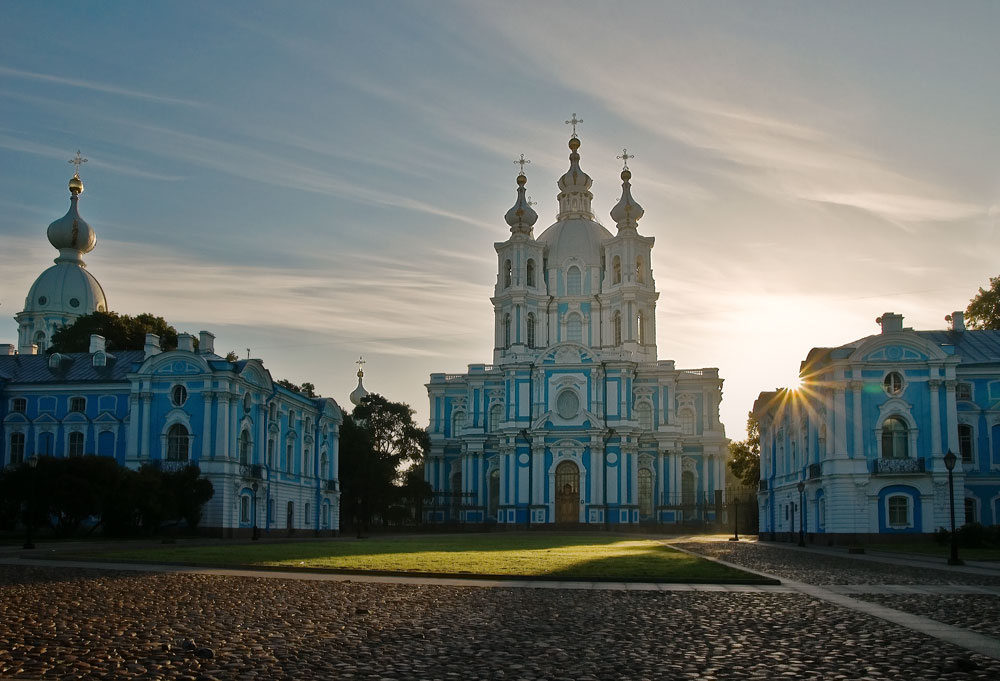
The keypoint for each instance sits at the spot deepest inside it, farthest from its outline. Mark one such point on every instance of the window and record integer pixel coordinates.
(687, 488)
(965, 442)
(686, 419)
(963, 391)
(970, 510)
(326, 515)
(616, 324)
(822, 512)
(639, 272)
(574, 281)
(245, 447)
(270, 510)
(506, 330)
(616, 268)
(247, 402)
(19, 405)
(40, 341)
(531, 272)
(291, 419)
(506, 273)
(496, 416)
(75, 444)
(895, 439)
(78, 404)
(244, 508)
(16, 448)
(288, 457)
(177, 443)
(567, 404)
(272, 412)
(645, 492)
(640, 325)
(531, 330)
(270, 453)
(178, 395)
(893, 383)
(457, 423)
(899, 508)
(324, 464)
(574, 328)
(644, 414)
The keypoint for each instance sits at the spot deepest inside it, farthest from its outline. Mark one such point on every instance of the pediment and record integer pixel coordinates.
(897, 347)
(568, 353)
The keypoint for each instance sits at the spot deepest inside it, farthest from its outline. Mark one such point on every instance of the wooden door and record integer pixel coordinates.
(567, 493)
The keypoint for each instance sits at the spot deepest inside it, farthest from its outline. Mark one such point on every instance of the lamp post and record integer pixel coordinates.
(256, 532)
(802, 512)
(949, 463)
(736, 518)
(30, 464)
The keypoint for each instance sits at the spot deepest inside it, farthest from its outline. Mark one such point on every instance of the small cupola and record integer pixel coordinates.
(71, 234)
(627, 212)
(521, 217)
(359, 393)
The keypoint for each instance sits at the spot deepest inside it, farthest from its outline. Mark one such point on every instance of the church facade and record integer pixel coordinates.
(859, 448)
(272, 454)
(576, 420)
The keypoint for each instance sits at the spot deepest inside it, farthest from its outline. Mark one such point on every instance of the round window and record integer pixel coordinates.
(893, 383)
(568, 404)
(178, 395)
(74, 302)
(42, 300)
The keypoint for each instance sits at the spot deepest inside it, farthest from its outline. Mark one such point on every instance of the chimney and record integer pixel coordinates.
(185, 342)
(152, 346)
(28, 349)
(97, 343)
(958, 321)
(890, 322)
(7, 349)
(206, 343)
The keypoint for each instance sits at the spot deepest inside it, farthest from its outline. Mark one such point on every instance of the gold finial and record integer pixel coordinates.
(361, 366)
(574, 121)
(522, 162)
(625, 157)
(75, 183)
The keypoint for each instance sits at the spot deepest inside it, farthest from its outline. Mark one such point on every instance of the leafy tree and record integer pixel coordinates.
(121, 332)
(984, 309)
(307, 389)
(231, 356)
(744, 455)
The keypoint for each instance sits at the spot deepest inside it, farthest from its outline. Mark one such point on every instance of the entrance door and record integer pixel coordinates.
(291, 517)
(567, 493)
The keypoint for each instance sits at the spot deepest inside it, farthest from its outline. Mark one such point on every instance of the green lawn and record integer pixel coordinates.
(934, 549)
(553, 556)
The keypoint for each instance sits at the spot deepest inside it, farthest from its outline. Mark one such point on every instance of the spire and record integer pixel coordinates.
(71, 234)
(359, 393)
(521, 217)
(574, 187)
(627, 212)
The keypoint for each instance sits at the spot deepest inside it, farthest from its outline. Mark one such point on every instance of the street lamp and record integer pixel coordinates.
(30, 464)
(949, 463)
(802, 513)
(256, 532)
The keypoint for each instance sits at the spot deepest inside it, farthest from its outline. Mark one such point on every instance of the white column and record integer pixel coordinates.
(145, 398)
(951, 411)
(206, 435)
(135, 414)
(934, 385)
(859, 452)
(840, 421)
(222, 426)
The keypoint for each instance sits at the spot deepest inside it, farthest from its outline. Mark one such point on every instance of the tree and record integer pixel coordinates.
(984, 309)
(307, 389)
(744, 459)
(121, 332)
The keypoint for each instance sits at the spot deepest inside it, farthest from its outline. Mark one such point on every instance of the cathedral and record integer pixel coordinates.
(576, 420)
(271, 453)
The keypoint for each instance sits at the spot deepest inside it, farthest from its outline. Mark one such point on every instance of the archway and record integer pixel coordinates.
(567, 493)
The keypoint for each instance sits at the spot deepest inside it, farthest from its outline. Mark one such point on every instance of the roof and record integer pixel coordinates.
(75, 367)
(974, 347)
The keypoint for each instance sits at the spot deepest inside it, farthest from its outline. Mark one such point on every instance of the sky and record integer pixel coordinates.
(317, 181)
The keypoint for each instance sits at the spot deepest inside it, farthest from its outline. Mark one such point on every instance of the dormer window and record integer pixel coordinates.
(77, 404)
(19, 405)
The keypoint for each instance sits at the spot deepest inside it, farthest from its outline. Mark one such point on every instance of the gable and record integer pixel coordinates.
(896, 353)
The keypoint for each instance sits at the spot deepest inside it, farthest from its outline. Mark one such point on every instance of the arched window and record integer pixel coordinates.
(531, 330)
(531, 272)
(75, 444)
(616, 270)
(270, 453)
(457, 423)
(640, 275)
(291, 419)
(574, 281)
(306, 462)
(245, 508)
(899, 511)
(895, 439)
(893, 383)
(496, 416)
(616, 324)
(506, 331)
(506, 273)
(645, 492)
(686, 419)
(177, 443)
(574, 328)
(966, 441)
(272, 412)
(245, 446)
(307, 515)
(78, 404)
(40, 341)
(640, 325)
(324, 464)
(644, 414)
(16, 448)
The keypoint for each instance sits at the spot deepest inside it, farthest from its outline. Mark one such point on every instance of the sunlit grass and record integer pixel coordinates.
(605, 557)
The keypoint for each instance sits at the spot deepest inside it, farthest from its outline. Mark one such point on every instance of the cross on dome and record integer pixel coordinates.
(522, 162)
(574, 121)
(532, 203)
(78, 161)
(625, 157)
(361, 366)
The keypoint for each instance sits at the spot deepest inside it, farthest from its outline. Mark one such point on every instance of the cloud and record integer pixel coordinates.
(96, 87)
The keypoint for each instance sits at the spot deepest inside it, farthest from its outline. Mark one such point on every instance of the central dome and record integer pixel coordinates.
(576, 238)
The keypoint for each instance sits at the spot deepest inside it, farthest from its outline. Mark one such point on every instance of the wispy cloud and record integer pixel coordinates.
(96, 87)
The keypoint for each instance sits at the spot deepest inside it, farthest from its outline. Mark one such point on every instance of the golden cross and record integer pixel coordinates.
(522, 162)
(361, 363)
(77, 162)
(532, 203)
(574, 122)
(625, 157)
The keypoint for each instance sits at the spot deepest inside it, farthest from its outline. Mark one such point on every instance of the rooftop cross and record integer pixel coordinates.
(522, 162)
(361, 365)
(625, 157)
(532, 203)
(78, 161)
(574, 121)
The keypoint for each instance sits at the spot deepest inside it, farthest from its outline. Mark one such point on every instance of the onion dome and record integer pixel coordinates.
(574, 187)
(71, 234)
(627, 212)
(359, 393)
(521, 217)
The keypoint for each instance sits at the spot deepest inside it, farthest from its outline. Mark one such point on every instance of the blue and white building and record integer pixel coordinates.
(576, 420)
(271, 453)
(867, 430)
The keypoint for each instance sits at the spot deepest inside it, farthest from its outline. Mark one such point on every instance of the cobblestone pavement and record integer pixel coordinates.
(980, 613)
(822, 570)
(56, 623)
